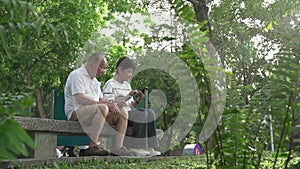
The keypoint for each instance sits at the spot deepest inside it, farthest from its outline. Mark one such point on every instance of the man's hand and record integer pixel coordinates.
(113, 108)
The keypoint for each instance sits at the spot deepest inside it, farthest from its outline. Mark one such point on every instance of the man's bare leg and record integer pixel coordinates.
(121, 127)
(98, 123)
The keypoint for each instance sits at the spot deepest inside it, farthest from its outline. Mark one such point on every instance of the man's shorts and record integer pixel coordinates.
(87, 113)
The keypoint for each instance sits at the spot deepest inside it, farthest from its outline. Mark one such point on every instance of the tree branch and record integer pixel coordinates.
(39, 58)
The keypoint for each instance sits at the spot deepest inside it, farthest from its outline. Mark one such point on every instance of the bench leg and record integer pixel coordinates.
(45, 145)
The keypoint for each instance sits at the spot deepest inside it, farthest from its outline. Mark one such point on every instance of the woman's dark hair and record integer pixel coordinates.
(125, 63)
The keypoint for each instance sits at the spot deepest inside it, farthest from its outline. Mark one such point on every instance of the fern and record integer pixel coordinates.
(284, 93)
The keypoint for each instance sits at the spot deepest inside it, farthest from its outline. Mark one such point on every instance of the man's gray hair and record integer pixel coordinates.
(96, 57)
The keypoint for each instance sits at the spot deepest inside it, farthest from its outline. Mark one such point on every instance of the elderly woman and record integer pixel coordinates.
(143, 138)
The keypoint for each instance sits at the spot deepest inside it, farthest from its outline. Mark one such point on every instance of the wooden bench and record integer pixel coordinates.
(50, 133)
(45, 131)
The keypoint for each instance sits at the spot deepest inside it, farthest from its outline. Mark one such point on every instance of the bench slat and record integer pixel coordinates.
(60, 127)
(50, 125)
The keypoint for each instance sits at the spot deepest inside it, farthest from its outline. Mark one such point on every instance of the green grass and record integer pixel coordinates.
(126, 163)
(183, 162)
(180, 162)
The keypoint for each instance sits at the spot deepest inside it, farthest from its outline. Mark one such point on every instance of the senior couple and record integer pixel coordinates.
(84, 102)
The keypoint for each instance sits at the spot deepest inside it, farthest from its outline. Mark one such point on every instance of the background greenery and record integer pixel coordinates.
(41, 42)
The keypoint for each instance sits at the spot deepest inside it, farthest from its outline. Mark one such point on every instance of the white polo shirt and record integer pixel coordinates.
(79, 81)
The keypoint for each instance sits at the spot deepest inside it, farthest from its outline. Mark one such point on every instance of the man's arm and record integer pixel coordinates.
(104, 101)
(82, 99)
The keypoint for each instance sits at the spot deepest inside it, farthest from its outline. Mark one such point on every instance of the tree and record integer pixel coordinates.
(235, 28)
(41, 45)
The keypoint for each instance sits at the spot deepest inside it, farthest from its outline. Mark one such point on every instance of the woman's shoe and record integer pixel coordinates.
(153, 152)
(141, 152)
(123, 151)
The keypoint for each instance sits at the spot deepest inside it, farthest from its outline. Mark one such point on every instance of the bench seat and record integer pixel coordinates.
(44, 132)
(59, 127)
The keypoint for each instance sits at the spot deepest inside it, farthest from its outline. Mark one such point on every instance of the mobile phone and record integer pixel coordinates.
(144, 90)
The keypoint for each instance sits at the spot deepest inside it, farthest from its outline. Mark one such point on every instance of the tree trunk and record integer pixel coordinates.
(202, 15)
(40, 102)
(201, 11)
(27, 79)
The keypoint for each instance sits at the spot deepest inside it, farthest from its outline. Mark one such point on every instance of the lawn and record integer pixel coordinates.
(142, 163)
(162, 162)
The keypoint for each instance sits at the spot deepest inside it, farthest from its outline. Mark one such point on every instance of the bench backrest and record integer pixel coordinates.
(59, 102)
(59, 114)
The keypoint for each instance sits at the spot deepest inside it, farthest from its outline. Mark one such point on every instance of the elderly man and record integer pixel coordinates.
(84, 103)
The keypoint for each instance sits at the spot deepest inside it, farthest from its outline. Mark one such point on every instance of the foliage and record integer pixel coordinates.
(283, 91)
(14, 139)
(257, 85)
(41, 40)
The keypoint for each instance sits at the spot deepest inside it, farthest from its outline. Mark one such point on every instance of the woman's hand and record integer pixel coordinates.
(133, 92)
(140, 96)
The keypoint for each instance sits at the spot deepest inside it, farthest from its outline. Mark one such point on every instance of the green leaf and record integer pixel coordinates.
(269, 26)
(13, 143)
